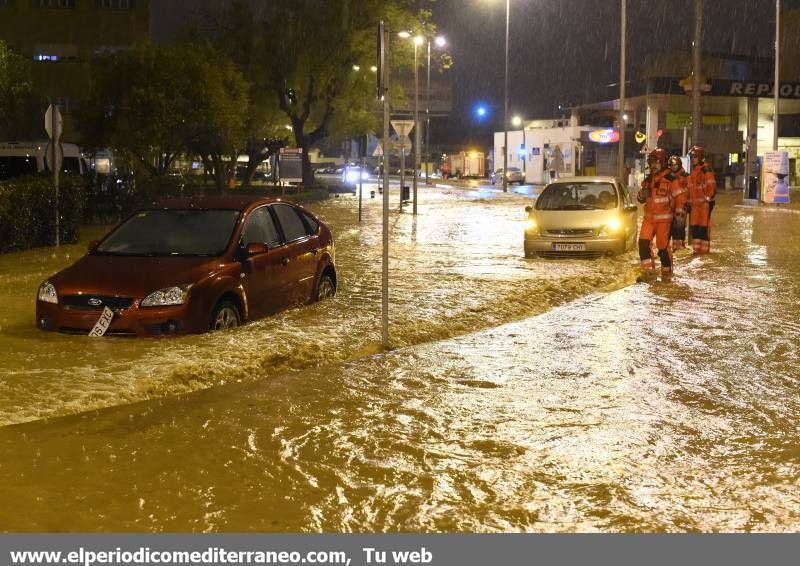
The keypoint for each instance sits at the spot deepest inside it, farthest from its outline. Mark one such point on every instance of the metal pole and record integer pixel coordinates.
(362, 150)
(622, 129)
(385, 258)
(402, 171)
(416, 127)
(505, 108)
(53, 142)
(683, 152)
(775, 114)
(698, 33)
(428, 118)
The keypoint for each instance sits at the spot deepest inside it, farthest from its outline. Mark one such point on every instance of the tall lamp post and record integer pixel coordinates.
(439, 41)
(505, 107)
(418, 40)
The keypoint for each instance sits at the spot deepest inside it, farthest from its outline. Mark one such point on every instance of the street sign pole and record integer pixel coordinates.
(383, 62)
(362, 150)
(402, 174)
(53, 125)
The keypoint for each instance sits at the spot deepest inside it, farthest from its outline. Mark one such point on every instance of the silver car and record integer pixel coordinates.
(581, 216)
(514, 175)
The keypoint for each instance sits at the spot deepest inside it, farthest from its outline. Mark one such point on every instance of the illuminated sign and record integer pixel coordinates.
(604, 136)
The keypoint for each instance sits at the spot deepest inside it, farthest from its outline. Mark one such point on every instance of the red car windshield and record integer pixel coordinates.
(169, 232)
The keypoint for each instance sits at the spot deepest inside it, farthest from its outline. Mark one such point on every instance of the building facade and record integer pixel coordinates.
(60, 37)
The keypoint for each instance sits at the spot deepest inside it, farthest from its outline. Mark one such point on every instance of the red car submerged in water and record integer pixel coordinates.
(192, 265)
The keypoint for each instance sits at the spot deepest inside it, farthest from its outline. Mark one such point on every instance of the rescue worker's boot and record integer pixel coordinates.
(665, 256)
(678, 233)
(648, 267)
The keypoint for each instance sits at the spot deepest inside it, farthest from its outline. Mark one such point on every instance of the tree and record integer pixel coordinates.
(236, 33)
(17, 107)
(156, 103)
(311, 51)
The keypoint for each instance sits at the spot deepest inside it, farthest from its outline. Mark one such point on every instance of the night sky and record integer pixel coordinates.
(560, 51)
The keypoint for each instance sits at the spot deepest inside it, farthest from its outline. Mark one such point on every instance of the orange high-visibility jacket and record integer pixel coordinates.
(702, 185)
(662, 192)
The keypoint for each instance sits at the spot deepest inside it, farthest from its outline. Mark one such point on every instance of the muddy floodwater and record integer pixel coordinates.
(523, 395)
(456, 268)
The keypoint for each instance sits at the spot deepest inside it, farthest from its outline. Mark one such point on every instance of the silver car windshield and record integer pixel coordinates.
(171, 232)
(578, 196)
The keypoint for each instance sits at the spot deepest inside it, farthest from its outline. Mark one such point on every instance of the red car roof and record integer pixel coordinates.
(213, 202)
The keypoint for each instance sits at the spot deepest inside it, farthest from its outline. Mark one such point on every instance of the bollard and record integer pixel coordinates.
(372, 194)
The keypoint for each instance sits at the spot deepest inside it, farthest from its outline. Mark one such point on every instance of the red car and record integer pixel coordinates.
(192, 265)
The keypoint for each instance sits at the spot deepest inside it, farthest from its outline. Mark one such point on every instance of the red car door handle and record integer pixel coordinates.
(285, 261)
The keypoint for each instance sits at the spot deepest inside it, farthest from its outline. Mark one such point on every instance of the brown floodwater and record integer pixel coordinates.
(456, 268)
(517, 400)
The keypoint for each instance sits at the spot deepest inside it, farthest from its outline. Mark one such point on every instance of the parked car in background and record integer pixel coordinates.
(192, 265)
(583, 216)
(514, 175)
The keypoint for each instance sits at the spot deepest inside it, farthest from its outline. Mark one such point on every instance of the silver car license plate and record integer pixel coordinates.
(102, 324)
(569, 247)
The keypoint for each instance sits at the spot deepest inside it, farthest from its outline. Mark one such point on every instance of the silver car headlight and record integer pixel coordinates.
(168, 296)
(47, 293)
(531, 228)
(611, 227)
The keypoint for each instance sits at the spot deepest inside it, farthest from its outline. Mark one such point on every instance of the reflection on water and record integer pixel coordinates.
(656, 407)
(456, 268)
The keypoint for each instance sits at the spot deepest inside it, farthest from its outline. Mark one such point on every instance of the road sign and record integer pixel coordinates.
(48, 156)
(404, 143)
(53, 120)
(403, 127)
(378, 150)
(290, 164)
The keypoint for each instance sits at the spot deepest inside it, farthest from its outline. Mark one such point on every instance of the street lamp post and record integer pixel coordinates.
(505, 107)
(440, 42)
(417, 42)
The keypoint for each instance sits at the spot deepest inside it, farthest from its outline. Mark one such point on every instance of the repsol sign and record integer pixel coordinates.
(757, 89)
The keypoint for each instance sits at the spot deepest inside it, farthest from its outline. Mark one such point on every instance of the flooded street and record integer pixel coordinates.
(457, 268)
(524, 395)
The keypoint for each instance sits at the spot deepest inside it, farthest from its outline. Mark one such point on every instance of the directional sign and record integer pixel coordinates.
(48, 156)
(51, 120)
(403, 127)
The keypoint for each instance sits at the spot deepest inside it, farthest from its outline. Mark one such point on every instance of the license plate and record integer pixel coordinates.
(102, 324)
(569, 247)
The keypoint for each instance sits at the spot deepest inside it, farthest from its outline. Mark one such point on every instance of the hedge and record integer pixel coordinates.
(27, 212)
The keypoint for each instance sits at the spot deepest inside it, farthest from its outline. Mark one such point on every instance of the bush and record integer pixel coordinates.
(27, 211)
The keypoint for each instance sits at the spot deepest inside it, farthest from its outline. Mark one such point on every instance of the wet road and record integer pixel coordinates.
(458, 267)
(652, 407)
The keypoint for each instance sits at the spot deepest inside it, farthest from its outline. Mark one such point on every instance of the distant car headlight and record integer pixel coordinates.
(47, 293)
(611, 227)
(531, 228)
(364, 176)
(352, 176)
(167, 296)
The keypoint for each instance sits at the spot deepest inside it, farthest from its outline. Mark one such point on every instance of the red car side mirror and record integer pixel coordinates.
(256, 248)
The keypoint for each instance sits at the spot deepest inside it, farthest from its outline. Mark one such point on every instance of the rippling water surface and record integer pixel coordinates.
(653, 407)
(456, 268)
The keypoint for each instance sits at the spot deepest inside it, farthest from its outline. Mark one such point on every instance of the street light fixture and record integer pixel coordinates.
(403, 34)
(516, 121)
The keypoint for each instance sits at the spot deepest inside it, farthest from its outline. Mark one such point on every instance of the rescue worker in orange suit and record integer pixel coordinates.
(659, 195)
(682, 206)
(702, 190)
